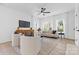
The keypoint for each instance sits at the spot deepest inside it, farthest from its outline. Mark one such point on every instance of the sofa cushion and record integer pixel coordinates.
(54, 32)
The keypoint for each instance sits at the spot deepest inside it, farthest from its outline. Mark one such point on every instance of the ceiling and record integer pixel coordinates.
(31, 8)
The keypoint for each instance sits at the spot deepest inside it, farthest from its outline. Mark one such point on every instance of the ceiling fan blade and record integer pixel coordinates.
(46, 12)
(43, 9)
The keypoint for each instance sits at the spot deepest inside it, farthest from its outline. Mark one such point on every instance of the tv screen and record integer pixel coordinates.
(24, 24)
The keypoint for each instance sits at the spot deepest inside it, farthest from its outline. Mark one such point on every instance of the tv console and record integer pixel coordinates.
(26, 32)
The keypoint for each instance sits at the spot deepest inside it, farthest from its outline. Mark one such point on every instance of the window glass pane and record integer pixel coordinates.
(60, 26)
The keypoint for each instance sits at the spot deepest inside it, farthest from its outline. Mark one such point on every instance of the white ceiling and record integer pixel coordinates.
(31, 8)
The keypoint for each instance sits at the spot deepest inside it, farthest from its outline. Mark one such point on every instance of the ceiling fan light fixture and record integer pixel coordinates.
(43, 14)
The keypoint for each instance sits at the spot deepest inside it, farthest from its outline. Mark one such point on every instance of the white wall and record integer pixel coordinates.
(71, 24)
(45, 20)
(9, 22)
(69, 19)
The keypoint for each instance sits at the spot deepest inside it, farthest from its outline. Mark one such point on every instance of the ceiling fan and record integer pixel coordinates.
(43, 11)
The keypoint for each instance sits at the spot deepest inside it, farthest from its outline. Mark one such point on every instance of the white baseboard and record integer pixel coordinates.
(4, 41)
(70, 38)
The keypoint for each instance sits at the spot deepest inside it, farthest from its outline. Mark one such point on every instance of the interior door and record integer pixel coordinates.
(77, 24)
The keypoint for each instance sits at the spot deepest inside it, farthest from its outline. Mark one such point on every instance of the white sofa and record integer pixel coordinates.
(26, 45)
(16, 40)
(30, 45)
(49, 34)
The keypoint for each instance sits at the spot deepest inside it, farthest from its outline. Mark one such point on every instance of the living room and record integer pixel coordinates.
(50, 24)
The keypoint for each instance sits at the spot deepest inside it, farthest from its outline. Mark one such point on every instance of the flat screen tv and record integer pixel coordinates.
(25, 24)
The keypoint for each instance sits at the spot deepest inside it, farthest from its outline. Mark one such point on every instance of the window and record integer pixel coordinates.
(46, 26)
(60, 25)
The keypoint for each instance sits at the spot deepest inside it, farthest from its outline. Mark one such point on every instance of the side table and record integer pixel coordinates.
(61, 34)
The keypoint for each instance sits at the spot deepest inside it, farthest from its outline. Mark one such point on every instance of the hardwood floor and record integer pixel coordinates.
(50, 46)
(7, 49)
(58, 47)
